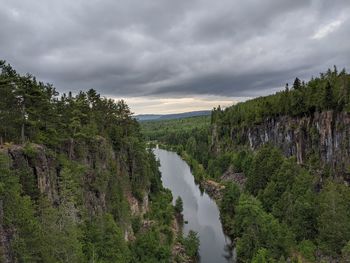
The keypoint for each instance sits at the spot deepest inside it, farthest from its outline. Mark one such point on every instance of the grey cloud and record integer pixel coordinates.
(173, 48)
(242, 85)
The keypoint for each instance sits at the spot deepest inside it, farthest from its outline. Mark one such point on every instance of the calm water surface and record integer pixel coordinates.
(200, 210)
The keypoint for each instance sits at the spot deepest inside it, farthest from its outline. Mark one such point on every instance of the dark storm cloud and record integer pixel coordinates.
(174, 48)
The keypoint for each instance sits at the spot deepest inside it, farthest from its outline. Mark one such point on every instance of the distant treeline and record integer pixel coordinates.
(280, 211)
(329, 91)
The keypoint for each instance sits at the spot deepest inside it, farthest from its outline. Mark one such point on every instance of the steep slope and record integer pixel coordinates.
(77, 183)
(310, 121)
(322, 135)
(281, 169)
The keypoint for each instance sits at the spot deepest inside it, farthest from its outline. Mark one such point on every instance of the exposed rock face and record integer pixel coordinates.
(40, 165)
(325, 135)
(213, 189)
(43, 168)
(231, 176)
(137, 207)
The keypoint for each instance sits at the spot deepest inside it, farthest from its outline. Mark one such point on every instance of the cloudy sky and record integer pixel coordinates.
(174, 56)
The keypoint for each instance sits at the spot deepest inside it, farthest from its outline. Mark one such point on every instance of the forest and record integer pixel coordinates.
(75, 172)
(282, 210)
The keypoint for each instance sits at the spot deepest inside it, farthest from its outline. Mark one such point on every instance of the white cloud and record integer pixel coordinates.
(327, 29)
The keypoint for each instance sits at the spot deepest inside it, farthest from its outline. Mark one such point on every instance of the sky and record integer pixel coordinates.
(166, 56)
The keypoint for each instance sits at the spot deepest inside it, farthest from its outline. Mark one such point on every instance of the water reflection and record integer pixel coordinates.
(200, 210)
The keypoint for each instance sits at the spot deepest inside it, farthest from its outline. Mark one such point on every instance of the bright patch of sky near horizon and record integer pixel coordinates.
(140, 105)
(166, 56)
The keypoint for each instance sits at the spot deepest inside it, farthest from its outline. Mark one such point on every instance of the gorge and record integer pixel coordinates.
(200, 211)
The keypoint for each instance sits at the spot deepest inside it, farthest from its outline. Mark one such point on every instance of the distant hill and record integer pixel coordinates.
(154, 117)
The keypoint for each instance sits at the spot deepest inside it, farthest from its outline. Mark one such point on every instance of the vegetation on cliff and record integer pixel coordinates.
(283, 208)
(77, 183)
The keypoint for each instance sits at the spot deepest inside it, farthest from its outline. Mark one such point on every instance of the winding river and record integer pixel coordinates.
(200, 210)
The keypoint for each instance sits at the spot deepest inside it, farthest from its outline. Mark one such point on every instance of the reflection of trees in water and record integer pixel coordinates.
(230, 251)
(177, 176)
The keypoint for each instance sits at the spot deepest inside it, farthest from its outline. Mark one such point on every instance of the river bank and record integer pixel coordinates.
(200, 205)
(212, 188)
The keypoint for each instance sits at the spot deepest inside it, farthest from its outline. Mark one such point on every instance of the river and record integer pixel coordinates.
(200, 211)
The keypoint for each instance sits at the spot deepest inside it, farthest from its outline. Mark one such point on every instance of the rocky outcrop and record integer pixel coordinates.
(38, 164)
(179, 254)
(41, 170)
(213, 189)
(231, 176)
(324, 135)
(138, 207)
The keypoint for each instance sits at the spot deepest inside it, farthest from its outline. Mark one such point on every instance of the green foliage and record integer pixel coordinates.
(307, 249)
(230, 198)
(149, 248)
(178, 205)
(161, 208)
(60, 234)
(287, 207)
(33, 112)
(280, 181)
(136, 223)
(329, 91)
(334, 218)
(290, 197)
(29, 150)
(96, 158)
(187, 134)
(104, 241)
(162, 130)
(257, 229)
(262, 256)
(191, 244)
(20, 215)
(217, 166)
(265, 163)
(228, 204)
(345, 253)
(197, 169)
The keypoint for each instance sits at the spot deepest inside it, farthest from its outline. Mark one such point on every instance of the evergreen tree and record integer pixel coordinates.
(297, 84)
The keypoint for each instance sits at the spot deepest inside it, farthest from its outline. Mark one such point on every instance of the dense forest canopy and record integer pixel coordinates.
(329, 91)
(34, 111)
(276, 209)
(72, 171)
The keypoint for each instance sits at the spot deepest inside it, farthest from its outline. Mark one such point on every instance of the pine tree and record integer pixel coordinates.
(297, 84)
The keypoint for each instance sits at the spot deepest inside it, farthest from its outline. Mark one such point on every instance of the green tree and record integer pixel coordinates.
(257, 229)
(178, 205)
(104, 241)
(328, 97)
(334, 218)
(307, 250)
(149, 248)
(265, 163)
(191, 244)
(262, 256)
(297, 84)
(345, 253)
(230, 199)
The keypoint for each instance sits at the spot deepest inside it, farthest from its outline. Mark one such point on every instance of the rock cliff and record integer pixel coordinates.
(100, 172)
(324, 136)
